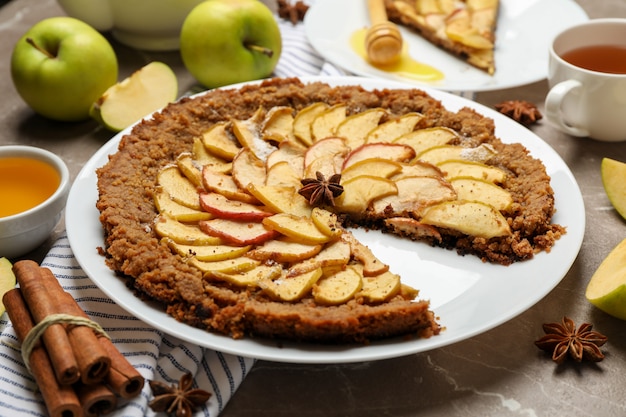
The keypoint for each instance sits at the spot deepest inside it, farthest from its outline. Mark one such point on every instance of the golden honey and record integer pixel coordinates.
(405, 67)
(25, 183)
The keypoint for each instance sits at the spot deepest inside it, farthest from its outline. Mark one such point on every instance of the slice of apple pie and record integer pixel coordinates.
(233, 208)
(465, 28)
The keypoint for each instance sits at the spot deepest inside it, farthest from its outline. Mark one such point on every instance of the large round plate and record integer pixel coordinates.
(469, 296)
(525, 30)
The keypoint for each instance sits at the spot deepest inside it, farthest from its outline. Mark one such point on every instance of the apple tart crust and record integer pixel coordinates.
(201, 210)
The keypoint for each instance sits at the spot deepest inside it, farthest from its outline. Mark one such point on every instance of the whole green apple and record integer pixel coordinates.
(60, 66)
(230, 41)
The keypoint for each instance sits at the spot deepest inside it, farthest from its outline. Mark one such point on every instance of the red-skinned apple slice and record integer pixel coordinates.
(237, 233)
(222, 207)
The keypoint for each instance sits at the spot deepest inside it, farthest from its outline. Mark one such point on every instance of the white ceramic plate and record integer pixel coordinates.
(525, 30)
(469, 296)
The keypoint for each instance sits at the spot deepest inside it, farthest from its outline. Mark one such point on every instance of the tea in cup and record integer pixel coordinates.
(587, 79)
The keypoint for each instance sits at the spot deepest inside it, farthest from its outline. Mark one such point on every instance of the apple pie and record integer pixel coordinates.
(465, 28)
(233, 209)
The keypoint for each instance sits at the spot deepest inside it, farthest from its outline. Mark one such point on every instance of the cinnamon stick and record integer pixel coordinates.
(93, 361)
(60, 400)
(122, 377)
(40, 300)
(95, 399)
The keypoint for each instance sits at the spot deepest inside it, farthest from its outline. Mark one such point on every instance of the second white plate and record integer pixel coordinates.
(524, 33)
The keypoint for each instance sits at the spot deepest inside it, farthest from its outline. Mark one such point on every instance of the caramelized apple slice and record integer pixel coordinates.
(278, 124)
(359, 192)
(204, 158)
(304, 119)
(251, 277)
(472, 189)
(460, 168)
(423, 139)
(326, 123)
(190, 168)
(468, 217)
(300, 229)
(178, 187)
(335, 254)
(248, 169)
(326, 222)
(229, 266)
(380, 288)
(248, 134)
(208, 253)
(354, 128)
(390, 130)
(168, 227)
(281, 199)
(166, 205)
(291, 288)
(225, 185)
(378, 167)
(414, 194)
(284, 251)
(220, 142)
(389, 151)
(337, 288)
(372, 266)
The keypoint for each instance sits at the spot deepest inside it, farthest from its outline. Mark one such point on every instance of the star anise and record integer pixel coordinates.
(292, 12)
(521, 111)
(320, 191)
(563, 338)
(178, 400)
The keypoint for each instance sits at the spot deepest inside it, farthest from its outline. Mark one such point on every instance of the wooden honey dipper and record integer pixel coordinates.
(383, 41)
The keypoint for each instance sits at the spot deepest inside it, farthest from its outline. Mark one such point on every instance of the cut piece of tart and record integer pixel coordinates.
(256, 241)
(465, 28)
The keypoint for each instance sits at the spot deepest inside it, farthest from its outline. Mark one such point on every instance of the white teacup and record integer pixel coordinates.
(587, 100)
(143, 24)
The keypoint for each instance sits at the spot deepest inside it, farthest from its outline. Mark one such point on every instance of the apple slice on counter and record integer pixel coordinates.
(613, 173)
(607, 287)
(142, 93)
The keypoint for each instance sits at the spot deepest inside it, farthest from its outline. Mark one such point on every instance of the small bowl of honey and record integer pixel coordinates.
(34, 184)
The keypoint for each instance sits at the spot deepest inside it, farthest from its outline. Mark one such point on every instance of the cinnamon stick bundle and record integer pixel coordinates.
(60, 400)
(97, 370)
(122, 377)
(45, 296)
(41, 305)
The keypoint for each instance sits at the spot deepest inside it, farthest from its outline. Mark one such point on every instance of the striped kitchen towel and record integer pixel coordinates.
(154, 354)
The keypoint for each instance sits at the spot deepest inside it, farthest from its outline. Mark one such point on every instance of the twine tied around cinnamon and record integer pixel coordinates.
(33, 336)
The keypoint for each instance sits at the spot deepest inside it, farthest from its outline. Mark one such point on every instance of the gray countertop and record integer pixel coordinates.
(497, 373)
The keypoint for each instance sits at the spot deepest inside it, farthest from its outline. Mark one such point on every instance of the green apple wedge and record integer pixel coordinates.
(607, 287)
(613, 174)
(60, 66)
(225, 42)
(145, 91)
(7, 280)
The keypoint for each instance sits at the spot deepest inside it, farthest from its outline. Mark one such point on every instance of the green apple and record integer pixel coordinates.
(607, 287)
(60, 66)
(145, 91)
(7, 279)
(225, 42)
(613, 175)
